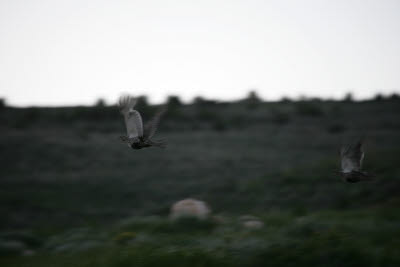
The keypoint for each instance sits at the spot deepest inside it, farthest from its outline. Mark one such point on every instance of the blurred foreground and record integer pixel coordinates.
(72, 194)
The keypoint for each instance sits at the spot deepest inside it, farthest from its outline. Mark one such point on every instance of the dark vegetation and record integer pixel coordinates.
(73, 195)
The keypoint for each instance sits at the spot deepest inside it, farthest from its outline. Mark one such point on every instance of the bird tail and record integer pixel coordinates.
(126, 103)
(365, 176)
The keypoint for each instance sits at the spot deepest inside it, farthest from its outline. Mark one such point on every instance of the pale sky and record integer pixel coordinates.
(73, 52)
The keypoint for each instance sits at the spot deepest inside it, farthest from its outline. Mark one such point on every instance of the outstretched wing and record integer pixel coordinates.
(151, 127)
(133, 120)
(352, 157)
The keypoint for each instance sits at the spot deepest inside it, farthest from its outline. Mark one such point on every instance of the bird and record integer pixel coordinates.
(138, 137)
(351, 161)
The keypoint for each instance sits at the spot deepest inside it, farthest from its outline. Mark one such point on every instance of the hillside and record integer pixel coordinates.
(65, 169)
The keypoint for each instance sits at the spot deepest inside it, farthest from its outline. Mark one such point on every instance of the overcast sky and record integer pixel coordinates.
(73, 52)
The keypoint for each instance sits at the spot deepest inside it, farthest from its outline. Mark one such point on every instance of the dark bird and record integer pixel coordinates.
(138, 136)
(351, 161)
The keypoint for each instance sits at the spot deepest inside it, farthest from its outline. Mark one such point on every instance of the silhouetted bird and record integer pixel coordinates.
(351, 161)
(138, 136)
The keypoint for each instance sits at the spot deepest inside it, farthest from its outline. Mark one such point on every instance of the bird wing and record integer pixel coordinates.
(352, 157)
(133, 120)
(151, 127)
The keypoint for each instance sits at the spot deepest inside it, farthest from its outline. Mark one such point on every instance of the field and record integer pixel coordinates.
(71, 194)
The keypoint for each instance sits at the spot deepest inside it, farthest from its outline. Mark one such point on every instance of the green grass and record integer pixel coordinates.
(329, 238)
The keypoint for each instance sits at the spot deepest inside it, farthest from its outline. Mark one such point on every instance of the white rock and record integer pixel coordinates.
(256, 224)
(190, 208)
(251, 222)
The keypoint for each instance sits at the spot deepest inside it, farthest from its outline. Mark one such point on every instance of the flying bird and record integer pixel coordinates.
(351, 161)
(138, 137)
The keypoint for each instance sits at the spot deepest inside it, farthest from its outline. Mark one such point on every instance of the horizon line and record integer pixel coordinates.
(346, 97)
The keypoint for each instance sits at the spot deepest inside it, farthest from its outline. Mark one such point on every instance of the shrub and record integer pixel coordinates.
(173, 107)
(173, 102)
(348, 97)
(253, 100)
(201, 102)
(285, 99)
(394, 96)
(2, 103)
(142, 105)
(378, 97)
(100, 103)
(311, 109)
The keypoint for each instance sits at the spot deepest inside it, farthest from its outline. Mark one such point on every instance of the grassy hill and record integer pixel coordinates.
(69, 188)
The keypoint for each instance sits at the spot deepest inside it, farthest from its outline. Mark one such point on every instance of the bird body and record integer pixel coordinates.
(355, 176)
(352, 157)
(138, 137)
